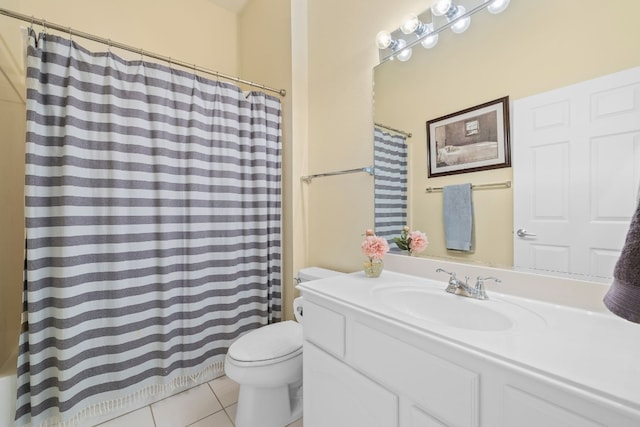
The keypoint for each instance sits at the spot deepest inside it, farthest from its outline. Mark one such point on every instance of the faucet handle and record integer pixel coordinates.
(439, 270)
(480, 291)
(453, 282)
(482, 279)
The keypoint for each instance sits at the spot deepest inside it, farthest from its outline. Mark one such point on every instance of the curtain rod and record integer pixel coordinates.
(111, 43)
(401, 132)
(506, 184)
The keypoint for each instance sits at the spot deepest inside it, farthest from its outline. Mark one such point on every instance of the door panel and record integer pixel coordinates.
(576, 166)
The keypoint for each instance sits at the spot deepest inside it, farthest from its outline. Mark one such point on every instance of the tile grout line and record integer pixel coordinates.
(220, 402)
(153, 417)
(223, 409)
(215, 395)
(229, 416)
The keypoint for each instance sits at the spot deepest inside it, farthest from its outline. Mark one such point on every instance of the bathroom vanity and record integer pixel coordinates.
(399, 351)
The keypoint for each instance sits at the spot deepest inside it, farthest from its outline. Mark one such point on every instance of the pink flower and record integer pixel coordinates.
(418, 242)
(375, 247)
(411, 241)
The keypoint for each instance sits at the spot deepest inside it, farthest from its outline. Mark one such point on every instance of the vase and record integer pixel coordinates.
(373, 268)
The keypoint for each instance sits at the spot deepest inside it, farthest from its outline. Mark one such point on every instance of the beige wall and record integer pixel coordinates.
(12, 127)
(194, 31)
(12, 123)
(532, 47)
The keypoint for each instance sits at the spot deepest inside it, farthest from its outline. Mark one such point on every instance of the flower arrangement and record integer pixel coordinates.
(373, 246)
(412, 241)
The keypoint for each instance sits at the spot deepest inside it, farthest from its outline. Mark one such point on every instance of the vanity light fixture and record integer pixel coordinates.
(404, 52)
(431, 38)
(456, 14)
(426, 27)
(497, 6)
(384, 40)
(413, 25)
(397, 46)
(440, 7)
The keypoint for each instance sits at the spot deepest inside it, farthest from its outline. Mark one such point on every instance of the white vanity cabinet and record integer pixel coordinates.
(334, 393)
(357, 375)
(364, 369)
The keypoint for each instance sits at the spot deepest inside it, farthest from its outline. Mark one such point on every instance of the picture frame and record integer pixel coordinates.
(474, 139)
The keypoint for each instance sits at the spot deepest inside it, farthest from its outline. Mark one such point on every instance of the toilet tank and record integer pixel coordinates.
(315, 273)
(306, 275)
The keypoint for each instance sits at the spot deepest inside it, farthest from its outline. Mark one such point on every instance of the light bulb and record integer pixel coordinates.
(429, 41)
(410, 23)
(497, 6)
(461, 25)
(383, 39)
(440, 7)
(403, 55)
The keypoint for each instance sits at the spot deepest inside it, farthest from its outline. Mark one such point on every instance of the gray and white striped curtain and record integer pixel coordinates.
(153, 228)
(390, 183)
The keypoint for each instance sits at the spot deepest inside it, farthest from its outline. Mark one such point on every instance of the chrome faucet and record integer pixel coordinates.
(458, 287)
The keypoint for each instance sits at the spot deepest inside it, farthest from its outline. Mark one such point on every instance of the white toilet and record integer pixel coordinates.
(267, 363)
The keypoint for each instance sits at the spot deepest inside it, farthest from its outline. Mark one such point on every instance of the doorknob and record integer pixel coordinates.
(521, 232)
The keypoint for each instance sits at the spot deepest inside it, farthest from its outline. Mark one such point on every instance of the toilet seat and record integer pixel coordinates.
(268, 345)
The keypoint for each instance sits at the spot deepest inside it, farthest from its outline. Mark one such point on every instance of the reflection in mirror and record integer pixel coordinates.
(577, 169)
(530, 49)
(390, 181)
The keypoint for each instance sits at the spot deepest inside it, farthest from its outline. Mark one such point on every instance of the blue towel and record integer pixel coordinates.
(458, 217)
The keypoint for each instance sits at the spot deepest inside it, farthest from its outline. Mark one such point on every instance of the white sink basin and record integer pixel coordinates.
(436, 305)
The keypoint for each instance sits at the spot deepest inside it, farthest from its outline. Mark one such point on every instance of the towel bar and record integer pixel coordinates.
(506, 184)
(367, 169)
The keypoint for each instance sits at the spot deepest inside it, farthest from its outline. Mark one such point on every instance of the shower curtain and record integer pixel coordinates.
(152, 229)
(390, 183)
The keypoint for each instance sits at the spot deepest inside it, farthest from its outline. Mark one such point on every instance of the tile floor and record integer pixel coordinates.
(212, 404)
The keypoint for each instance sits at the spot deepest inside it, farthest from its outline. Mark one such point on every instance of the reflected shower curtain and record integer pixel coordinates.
(390, 183)
(153, 229)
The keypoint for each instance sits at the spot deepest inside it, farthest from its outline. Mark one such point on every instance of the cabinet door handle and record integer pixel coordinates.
(521, 232)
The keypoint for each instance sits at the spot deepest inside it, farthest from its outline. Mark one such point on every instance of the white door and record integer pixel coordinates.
(576, 167)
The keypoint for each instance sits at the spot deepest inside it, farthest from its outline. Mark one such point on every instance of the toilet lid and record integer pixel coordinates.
(268, 342)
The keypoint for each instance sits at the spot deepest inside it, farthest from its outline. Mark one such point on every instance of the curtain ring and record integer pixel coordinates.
(44, 28)
(32, 19)
(70, 34)
(141, 54)
(109, 45)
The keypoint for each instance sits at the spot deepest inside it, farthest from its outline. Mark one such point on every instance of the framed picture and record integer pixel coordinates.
(470, 140)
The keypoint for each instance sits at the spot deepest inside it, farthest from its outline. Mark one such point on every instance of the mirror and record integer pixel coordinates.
(531, 48)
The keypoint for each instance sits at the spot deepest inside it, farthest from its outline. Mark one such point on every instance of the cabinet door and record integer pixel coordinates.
(336, 395)
(418, 418)
(527, 410)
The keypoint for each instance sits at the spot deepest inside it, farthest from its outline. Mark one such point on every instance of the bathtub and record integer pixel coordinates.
(8, 389)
